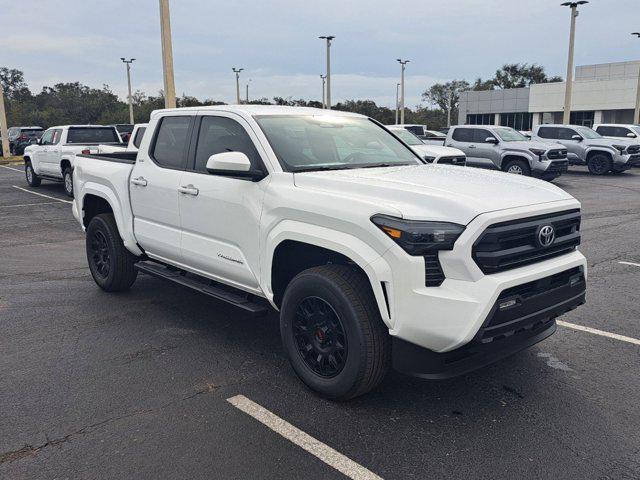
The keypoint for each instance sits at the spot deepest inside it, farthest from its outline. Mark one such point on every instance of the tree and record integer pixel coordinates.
(13, 83)
(518, 75)
(446, 96)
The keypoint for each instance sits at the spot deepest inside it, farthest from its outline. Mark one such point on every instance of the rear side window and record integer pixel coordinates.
(92, 135)
(137, 140)
(548, 132)
(169, 149)
(221, 134)
(463, 135)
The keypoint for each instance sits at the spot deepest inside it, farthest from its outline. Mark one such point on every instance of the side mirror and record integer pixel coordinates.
(493, 140)
(631, 135)
(233, 164)
(576, 137)
(39, 141)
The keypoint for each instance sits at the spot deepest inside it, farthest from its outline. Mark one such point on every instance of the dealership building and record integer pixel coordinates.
(603, 93)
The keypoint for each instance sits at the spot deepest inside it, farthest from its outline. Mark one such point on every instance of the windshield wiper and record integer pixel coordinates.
(381, 165)
(322, 168)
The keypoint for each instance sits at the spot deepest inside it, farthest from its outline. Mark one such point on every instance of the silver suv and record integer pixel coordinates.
(587, 147)
(506, 149)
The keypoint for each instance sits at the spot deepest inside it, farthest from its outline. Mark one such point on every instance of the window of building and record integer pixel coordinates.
(517, 120)
(582, 118)
(481, 119)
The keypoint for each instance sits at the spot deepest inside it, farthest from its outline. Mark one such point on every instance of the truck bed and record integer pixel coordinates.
(120, 157)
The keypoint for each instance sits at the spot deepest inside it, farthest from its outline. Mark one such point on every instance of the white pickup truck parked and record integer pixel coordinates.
(53, 157)
(438, 154)
(371, 256)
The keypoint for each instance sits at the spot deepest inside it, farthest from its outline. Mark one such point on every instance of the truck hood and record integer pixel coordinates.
(428, 192)
(525, 145)
(437, 151)
(609, 142)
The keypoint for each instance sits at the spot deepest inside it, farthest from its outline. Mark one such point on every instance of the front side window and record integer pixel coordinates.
(169, 150)
(219, 135)
(47, 137)
(480, 135)
(510, 135)
(326, 142)
(566, 133)
(463, 135)
(407, 137)
(88, 135)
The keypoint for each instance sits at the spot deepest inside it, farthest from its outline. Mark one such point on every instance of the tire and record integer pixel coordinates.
(517, 167)
(599, 164)
(112, 265)
(67, 178)
(33, 180)
(315, 299)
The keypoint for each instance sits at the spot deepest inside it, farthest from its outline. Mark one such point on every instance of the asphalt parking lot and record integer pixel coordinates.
(136, 385)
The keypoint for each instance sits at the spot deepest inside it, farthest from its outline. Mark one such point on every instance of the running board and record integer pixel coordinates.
(243, 300)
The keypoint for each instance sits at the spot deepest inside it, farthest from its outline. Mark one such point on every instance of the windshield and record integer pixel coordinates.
(324, 142)
(510, 135)
(636, 128)
(586, 132)
(407, 137)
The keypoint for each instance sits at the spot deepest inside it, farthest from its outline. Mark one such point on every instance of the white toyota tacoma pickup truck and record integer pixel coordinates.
(372, 257)
(53, 157)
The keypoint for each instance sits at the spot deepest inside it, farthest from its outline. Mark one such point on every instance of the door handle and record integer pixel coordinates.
(472, 146)
(189, 190)
(141, 181)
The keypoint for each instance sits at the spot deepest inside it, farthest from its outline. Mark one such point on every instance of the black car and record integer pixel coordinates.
(21, 137)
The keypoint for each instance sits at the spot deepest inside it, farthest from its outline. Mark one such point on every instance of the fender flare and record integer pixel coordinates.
(124, 219)
(526, 157)
(363, 255)
(599, 148)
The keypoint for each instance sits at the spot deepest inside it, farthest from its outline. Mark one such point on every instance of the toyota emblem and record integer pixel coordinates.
(546, 235)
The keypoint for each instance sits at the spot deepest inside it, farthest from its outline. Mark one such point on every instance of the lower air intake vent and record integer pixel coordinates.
(433, 274)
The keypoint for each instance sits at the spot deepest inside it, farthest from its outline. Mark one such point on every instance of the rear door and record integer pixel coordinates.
(154, 184)
(220, 214)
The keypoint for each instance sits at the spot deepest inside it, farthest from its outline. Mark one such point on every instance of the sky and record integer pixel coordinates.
(276, 42)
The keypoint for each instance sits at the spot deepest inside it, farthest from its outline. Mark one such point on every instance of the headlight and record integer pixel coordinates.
(620, 148)
(418, 237)
(428, 159)
(537, 151)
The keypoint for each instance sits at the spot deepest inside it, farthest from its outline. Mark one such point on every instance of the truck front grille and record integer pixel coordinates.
(556, 154)
(516, 243)
(633, 149)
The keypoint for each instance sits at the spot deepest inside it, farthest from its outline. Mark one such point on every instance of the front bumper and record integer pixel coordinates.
(550, 168)
(627, 161)
(521, 316)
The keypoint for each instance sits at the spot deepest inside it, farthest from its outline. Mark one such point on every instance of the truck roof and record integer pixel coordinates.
(83, 126)
(260, 110)
(559, 125)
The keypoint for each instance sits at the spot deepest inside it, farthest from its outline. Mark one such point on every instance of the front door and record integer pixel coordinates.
(221, 215)
(39, 157)
(487, 154)
(154, 184)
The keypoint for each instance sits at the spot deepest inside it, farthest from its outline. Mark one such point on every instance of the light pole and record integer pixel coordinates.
(128, 63)
(402, 63)
(237, 72)
(636, 114)
(167, 56)
(328, 39)
(323, 78)
(397, 101)
(569, 84)
(247, 92)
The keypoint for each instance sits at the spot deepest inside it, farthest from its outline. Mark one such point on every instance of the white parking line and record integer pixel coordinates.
(11, 168)
(41, 194)
(315, 447)
(602, 333)
(630, 263)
